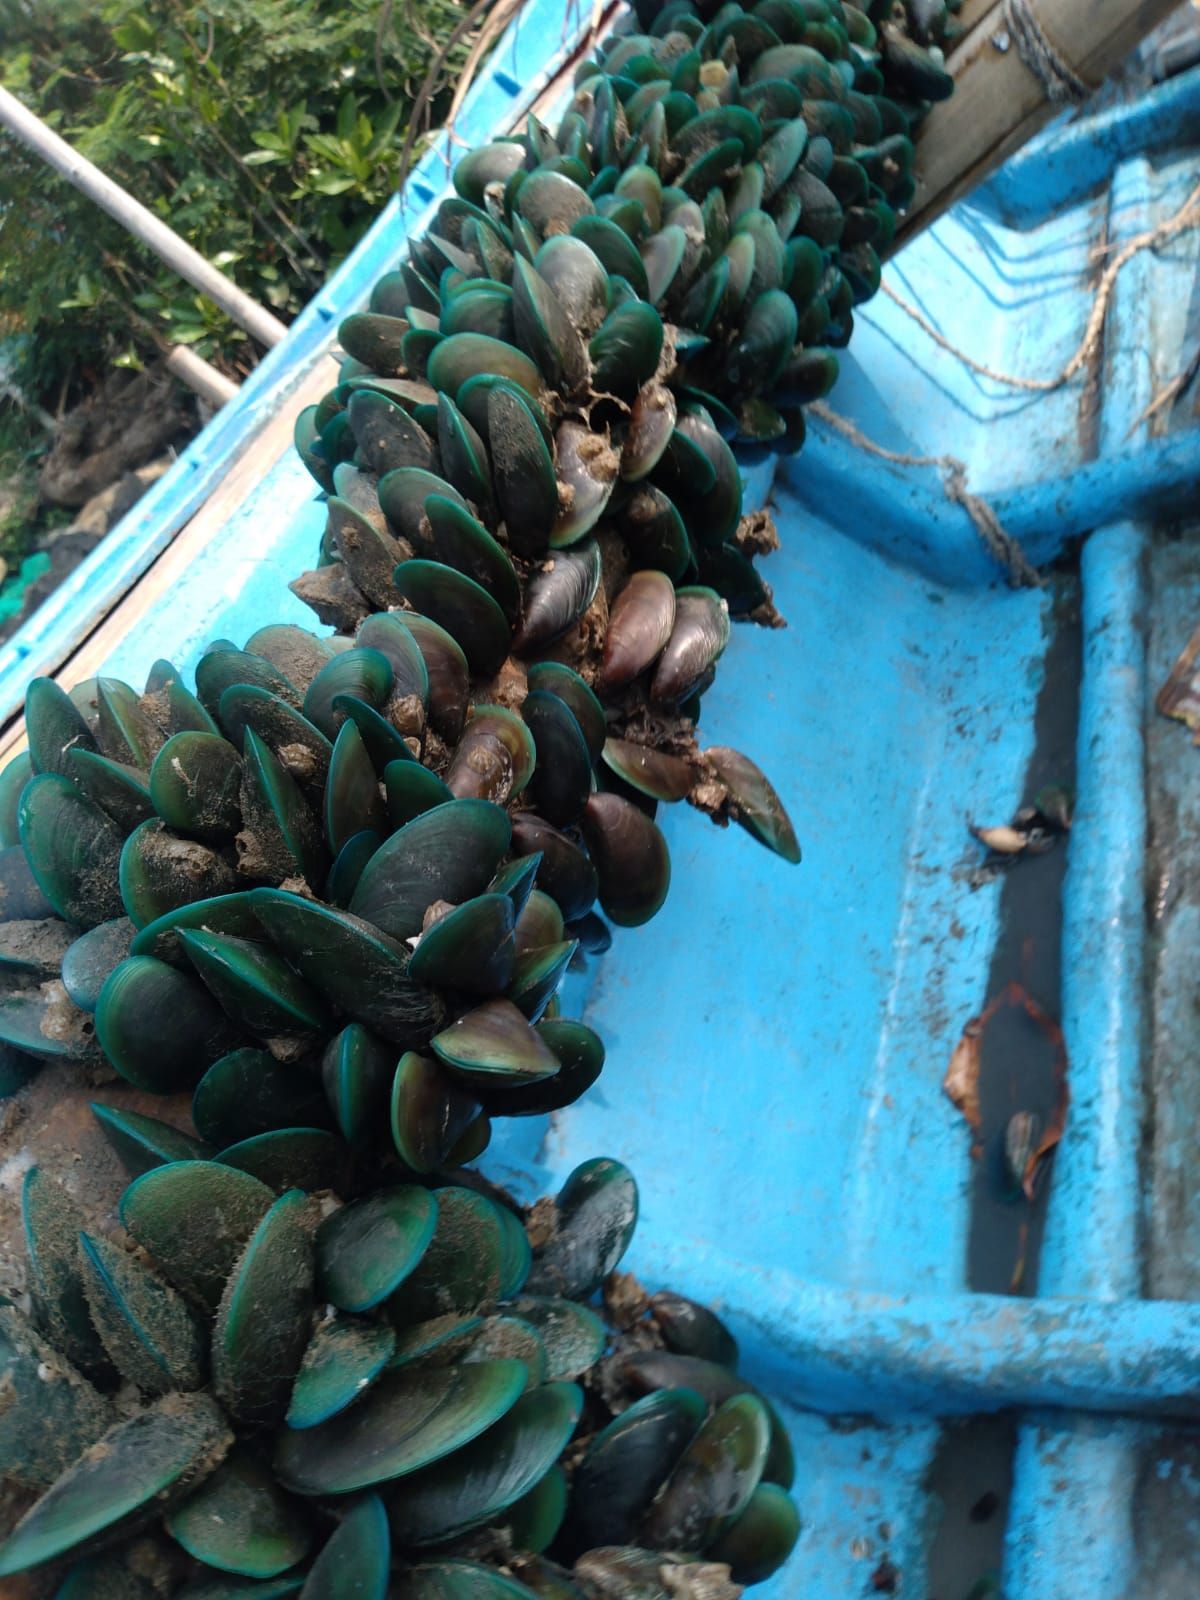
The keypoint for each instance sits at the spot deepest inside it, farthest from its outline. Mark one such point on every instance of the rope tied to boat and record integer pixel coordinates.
(1004, 549)
(1060, 83)
(1180, 221)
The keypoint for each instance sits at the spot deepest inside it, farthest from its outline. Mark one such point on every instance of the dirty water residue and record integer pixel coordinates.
(1018, 1057)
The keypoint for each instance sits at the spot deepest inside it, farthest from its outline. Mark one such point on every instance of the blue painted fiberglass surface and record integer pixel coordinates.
(777, 1037)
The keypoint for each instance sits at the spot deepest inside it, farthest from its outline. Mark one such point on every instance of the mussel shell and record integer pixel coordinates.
(449, 675)
(493, 1044)
(565, 874)
(753, 802)
(361, 673)
(698, 637)
(89, 959)
(522, 469)
(487, 1476)
(194, 1218)
(356, 1068)
(281, 837)
(449, 853)
(342, 1358)
(144, 1142)
(151, 1458)
(159, 1027)
(639, 626)
(656, 773)
(651, 423)
(470, 948)
(121, 791)
(459, 540)
(248, 1092)
(553, 677)
(262, 1323)
(714, 1479)
(587, 467)
(352, 961)
(72, 849)
(54, 726)
(626, 1464)
(578, 279)
(365, 1250)
(406, 1420)
(558, 595)
(545, 329)
(597, 1212)
(465, 355)
(159, 871)
(387, 435)
(240, 1520)
(195, 783)
(430, 1112)
(631, 859)
(302, 749)
(412, 789)
(458, 604)
(759, 1541)
(563, 774)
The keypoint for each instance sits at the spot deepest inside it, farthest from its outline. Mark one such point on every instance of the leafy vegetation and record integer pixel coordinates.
(264, 131)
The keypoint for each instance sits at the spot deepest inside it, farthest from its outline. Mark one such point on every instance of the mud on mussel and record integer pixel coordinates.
(244, 1389)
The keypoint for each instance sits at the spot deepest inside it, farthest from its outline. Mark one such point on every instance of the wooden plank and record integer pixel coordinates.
(170, 569)
(999, 103)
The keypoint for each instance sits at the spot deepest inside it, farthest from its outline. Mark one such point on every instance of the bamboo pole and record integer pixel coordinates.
(1000, 102)
(141, 223)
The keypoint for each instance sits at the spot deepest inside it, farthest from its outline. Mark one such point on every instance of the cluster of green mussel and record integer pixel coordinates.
(529, 445)
(249, 1390)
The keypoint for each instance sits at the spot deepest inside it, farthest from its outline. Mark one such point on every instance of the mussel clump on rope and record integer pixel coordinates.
(245, 1388)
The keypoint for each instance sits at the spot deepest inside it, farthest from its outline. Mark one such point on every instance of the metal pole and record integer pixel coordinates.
(200, 376)
(142, 224)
